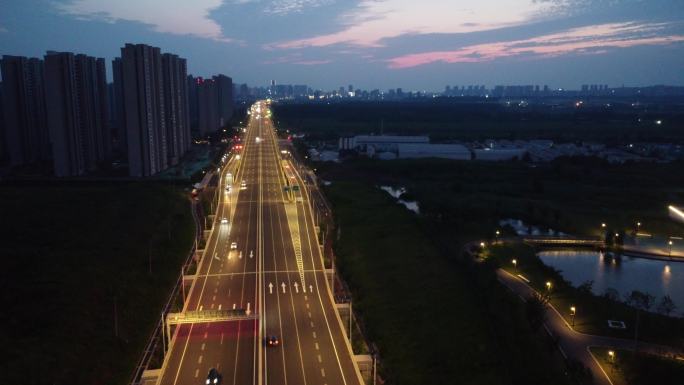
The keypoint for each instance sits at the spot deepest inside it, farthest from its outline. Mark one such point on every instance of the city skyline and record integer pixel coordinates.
(374, 44)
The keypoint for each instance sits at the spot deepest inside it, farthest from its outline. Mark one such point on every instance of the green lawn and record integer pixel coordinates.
(71, 251)
(435, 320)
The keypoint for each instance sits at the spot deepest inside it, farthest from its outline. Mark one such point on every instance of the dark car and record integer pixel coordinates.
(272, 341)
(214, 377)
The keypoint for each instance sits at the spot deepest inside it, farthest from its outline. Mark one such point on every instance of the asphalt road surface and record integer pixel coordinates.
(275, 272)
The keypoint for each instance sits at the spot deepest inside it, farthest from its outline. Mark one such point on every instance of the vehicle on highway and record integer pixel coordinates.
(214, 377)
(272, 340)
(224, 220)
(243, 185)
(233, 246)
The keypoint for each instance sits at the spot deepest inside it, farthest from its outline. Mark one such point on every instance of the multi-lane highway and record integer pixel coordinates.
(274, 272)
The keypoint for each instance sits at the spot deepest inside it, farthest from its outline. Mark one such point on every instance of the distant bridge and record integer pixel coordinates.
(563, 241)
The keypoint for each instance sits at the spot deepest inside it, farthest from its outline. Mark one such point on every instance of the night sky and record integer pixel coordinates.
(417, 45)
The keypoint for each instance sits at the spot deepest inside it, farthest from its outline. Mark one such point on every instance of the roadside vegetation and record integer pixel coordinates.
(434, 319)
(78, 299)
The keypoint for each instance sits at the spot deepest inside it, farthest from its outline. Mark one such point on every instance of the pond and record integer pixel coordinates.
(624, 273)
(396, 193)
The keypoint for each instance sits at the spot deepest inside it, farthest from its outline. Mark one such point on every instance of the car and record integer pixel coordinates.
(272, 340)
(224, 220)
(233, 246)
(214, 377)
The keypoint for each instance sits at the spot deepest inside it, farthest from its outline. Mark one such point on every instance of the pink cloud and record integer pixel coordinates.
(373, 21)
(584, 40)
(312, 62)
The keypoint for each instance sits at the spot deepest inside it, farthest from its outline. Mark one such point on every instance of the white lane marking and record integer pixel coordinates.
(322, 372)
(220, 306)
(221, 338)
(312, 325)
(213, 298)
(201, 306)
(314, 334)
(320, 359)
(296, 286)
(202, 348)
(270, 288)
(248, 312)
(307, 305)
(234, 306)
(205, 335)
(316, 344)
(199, 360)
(196, 373)
(309, 314)
(310, 288)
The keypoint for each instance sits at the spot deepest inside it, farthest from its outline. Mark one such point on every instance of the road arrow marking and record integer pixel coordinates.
(270, 288)
(296, 287)
(248, 312)
(310, 288)
(283, 286)
(251, 253)
(240, 255)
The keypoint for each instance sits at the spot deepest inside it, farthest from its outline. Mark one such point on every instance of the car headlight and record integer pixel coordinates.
(208, 381)
(215, 380)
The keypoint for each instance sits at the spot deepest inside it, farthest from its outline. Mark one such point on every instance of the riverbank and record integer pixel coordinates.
(592, 312)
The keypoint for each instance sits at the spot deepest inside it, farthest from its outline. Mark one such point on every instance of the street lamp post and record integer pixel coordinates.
(670, 251)
(548, 288)
(611, 357)
(497, 235)
(515, 264)
(573, 311)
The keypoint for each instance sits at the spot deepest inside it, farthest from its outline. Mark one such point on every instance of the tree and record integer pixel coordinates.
(641, 302)
(666, 305)
(586, 286)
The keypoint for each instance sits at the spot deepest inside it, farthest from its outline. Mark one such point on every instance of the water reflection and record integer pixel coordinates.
(622, 273)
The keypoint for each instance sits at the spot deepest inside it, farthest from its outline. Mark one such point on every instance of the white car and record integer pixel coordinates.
(224, 220)
(233, 246)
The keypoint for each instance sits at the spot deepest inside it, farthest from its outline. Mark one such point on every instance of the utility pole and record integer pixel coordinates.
(350, 321)
(163, 333)
(116, 320)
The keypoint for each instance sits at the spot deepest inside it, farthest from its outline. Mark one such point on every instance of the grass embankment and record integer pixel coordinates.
(71, 253)
(592, 311)
(435, 320)
(627, 368)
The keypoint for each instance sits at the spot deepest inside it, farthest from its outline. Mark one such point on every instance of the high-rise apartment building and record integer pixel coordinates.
(77, 112)
(26, 133)
(208, 114)
(224, 90)
(175, 73)
(143, 101)
(119, 110)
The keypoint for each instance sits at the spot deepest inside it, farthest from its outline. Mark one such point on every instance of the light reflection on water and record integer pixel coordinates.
(624, 274)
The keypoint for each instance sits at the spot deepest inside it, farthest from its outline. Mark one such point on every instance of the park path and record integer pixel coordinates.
(574, 344)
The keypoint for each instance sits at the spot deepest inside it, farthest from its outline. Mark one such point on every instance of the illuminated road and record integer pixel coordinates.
(277, 263)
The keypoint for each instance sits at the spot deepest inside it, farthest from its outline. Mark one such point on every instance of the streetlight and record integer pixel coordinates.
(573, 311)
(670, 244)
(611, 358)
(482, 245)
(603, 225)
(515, 264)
(548, 288)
